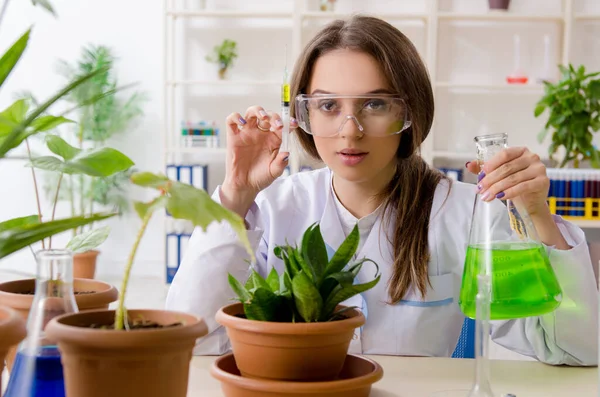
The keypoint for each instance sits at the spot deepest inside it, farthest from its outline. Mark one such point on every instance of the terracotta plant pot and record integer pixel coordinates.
(84, 264)
(355, 380)
(12, 331)
(499, 4)
(289, 351)
(19, 296)
(151, 362)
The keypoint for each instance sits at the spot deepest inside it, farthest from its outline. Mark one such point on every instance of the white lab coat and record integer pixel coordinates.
(416, 326)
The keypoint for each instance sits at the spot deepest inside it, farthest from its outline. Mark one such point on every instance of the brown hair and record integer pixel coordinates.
(409, 195)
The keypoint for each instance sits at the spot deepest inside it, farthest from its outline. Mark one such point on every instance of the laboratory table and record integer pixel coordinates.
(421, 376)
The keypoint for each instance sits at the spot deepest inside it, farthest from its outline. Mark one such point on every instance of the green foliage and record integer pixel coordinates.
(224, 54)
(574, 115)
(89, 240)
(311, 286)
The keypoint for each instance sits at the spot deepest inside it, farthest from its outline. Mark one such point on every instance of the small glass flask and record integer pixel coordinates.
(37, 371)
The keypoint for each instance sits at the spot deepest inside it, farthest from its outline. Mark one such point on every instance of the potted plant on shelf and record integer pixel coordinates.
(154, 345)
(293, 322)
(224, 55)
(574, 116)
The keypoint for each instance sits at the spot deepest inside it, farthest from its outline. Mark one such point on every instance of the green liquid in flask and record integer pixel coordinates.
(523, 281)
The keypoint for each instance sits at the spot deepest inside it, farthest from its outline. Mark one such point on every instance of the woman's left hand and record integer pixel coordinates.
(515, 172)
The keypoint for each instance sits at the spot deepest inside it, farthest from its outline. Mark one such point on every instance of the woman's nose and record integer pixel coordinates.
(351, 127)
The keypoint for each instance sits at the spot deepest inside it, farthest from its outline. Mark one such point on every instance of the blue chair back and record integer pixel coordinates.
(465, 348)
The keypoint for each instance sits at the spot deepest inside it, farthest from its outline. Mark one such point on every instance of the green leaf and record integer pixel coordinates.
(16, 112)
(18, 222)
(595, 158)
(143, 208)
(307, 298)
(195, 205)
(539, 109)
(345, 279)
(256, 281)
(285, 285)
(340, 294)
(44, 4)
(292, 266)
(17, 134)
(314, 251)
(263, 306)
(16, 238)
(344, 253)
(12, 56)
(148, 179)
(303, 265)
(47, 163)
(239, 289)
(273, 280)
(594, 90)
(60, 147)
(542, 135)
(46, 123)
(88, 240)
(98, 162)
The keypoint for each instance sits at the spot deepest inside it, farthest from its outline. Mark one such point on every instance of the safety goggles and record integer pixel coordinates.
(377, 115)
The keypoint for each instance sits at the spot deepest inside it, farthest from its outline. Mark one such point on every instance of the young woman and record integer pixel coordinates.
(371, 107)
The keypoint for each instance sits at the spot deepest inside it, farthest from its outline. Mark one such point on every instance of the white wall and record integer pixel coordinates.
(133, 28)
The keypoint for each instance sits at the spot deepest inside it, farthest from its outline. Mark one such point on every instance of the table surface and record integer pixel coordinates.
(421, 376)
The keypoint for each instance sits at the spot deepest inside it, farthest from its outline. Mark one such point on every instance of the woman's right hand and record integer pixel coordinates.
(253, 158)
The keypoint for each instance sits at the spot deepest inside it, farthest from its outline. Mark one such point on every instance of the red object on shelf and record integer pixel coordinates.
(517, 79)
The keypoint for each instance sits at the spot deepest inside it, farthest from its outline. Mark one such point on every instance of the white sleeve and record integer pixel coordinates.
(569, 335)
(200, 286)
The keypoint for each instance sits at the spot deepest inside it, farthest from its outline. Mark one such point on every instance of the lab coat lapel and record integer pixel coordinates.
(331, 227)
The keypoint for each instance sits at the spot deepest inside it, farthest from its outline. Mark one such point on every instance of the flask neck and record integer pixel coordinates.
(490, 145)
(54, 274)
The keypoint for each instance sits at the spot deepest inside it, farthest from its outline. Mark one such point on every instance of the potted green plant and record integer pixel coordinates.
(573, 105)
(294, 321)
(154, 345)
(224, 55)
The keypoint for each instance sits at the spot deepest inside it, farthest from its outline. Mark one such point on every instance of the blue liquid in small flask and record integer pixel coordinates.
(37, 371)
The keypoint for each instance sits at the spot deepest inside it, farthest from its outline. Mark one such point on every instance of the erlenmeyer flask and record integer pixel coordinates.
(37, 371)
(504, 246)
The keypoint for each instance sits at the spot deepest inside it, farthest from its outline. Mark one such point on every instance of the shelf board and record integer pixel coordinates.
(588, 17)
(223, 82)
(343, 15)
(197, 149)
(227, 14)
(516, 88)
(586, 224)
(497, 16)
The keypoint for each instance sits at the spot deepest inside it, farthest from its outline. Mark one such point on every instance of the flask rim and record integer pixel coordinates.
(54, 254)
(489, 137)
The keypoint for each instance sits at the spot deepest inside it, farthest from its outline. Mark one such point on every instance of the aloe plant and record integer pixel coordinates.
(311, 286)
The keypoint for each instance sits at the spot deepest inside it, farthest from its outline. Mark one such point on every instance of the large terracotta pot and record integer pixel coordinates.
(12, 331)
(152, 362)
(288, 351)
(84, 264)
(19, 296)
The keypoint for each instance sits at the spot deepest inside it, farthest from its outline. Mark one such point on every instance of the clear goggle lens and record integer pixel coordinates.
(374, 115)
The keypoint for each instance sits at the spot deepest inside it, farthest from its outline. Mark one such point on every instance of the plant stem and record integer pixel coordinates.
(72, 200)
(81, 205)
(119, 314)
(54, 205)
(35, 186)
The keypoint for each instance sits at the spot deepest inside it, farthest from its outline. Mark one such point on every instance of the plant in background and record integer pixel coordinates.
(574, 115)
(311, 286)
(224, 55)
(183, 201)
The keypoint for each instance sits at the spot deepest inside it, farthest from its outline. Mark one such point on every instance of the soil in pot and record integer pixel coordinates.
(89, 295)
(152, 360)
(84, 264)
(354, 380)
(12, 331)
(289, 351)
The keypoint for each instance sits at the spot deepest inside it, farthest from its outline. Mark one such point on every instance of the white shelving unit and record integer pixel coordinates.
(301, 16)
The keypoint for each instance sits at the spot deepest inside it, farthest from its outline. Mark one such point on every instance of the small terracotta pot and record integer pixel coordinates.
(355, 380)
(499, 4)
(11, 295)
(289, 351)
(145, 362)
(84, 264)
(12, 331)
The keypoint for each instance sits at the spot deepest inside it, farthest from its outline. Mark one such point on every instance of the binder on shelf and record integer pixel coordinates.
(195, 175)
(176, 247)
(185, 174)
